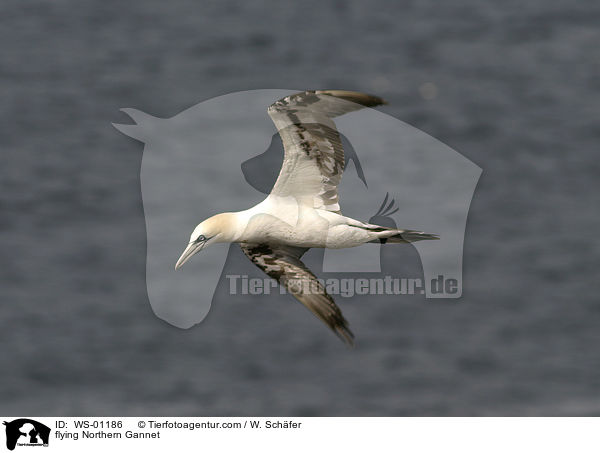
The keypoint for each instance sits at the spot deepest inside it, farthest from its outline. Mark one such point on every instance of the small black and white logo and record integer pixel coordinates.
(24, 432)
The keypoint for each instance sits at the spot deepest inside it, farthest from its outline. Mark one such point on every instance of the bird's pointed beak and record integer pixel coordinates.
(189, 251)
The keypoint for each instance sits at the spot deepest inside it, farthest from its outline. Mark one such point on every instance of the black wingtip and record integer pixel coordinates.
(368, 100)
(345, 335)
(342, 329)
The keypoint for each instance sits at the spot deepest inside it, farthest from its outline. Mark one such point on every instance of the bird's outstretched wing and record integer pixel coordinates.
(284, 265)
(314, 158)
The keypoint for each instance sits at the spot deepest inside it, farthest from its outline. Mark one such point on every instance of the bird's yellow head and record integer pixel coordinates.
(213, 230)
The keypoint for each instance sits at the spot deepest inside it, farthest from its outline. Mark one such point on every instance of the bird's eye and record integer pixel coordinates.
(201, 238)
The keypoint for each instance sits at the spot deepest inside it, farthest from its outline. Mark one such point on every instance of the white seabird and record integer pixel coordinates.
(302, 210)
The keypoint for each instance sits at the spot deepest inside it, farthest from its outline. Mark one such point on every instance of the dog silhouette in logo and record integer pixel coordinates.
(27, 431)
(261, 171)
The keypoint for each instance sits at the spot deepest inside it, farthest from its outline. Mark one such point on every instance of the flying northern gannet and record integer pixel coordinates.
(302, 210)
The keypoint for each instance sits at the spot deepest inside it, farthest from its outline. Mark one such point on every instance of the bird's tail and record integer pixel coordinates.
(397, 236)
(405, 236)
